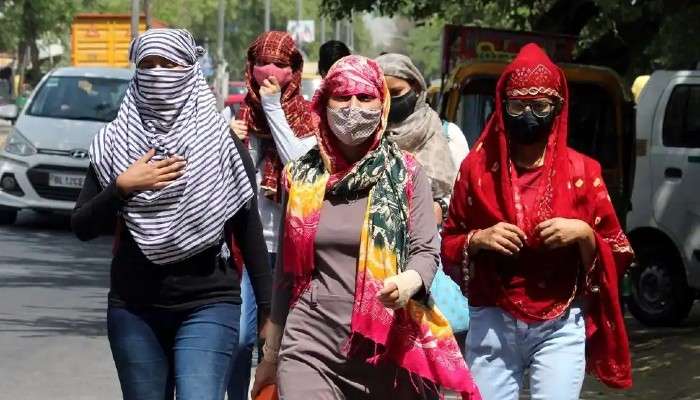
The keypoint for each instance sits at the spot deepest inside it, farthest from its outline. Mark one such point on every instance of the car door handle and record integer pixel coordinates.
(673, 173)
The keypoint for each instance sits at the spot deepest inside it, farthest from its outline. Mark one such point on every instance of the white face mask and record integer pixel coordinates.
(353, 126)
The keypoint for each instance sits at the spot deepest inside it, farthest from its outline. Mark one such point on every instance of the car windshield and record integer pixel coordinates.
(83, 98)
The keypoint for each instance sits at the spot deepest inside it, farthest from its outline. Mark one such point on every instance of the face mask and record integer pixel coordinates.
(353, 126)
(262, 72)
(528, 128)
(164, 90)
(402, 106)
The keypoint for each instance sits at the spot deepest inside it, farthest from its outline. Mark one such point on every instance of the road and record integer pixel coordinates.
(53, 341)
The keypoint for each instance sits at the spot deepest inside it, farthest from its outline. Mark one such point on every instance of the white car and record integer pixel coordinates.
(44, 159)
(664, 222)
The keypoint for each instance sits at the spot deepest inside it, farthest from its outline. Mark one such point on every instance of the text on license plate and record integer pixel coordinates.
(67, 181)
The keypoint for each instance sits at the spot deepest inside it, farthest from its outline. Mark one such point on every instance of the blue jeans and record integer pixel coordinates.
(157, 352)
(242, 361)
(500, 348)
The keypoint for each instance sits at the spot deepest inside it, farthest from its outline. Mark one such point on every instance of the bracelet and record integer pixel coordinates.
(466, 261)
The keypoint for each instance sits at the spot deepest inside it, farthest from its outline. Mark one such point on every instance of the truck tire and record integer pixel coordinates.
(659, 294)
(8, 217)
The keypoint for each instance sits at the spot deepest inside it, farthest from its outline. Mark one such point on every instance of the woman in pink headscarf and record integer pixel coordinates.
(351, 317)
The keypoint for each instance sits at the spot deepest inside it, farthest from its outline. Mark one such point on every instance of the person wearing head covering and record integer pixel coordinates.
(274, 54)
(180, 190)
(417, 128)
(274, 106)
(329, 53)
(351, 317)
(534, 233)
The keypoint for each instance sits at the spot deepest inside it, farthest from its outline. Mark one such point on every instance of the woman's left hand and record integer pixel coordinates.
(398, 289)
(561, 232)
(270, 87)
(389, 295)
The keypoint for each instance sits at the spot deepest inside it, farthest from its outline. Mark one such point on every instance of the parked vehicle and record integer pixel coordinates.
(236, 94)
(44, 159)
(664, 222)
(601, 122)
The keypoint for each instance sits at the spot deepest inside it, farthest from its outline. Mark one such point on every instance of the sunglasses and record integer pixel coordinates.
(539, 107)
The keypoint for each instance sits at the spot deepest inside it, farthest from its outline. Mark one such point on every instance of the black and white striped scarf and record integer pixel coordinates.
(173, 111)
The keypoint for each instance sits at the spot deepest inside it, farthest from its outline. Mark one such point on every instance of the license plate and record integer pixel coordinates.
(66, 181)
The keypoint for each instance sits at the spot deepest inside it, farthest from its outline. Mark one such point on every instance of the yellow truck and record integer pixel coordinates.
(102, 40)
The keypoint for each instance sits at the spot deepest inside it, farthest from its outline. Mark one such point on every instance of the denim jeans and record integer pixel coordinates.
(242, 361)
(500, 348)
(157, 352)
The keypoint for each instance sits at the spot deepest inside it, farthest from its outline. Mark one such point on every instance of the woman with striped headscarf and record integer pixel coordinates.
(351, 317)
(178, 186)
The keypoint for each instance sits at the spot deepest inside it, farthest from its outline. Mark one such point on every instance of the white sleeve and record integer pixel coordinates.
(289, 147)
(226, 113)
(459, 148)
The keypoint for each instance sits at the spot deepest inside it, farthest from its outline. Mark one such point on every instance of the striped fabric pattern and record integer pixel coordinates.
(174, 112)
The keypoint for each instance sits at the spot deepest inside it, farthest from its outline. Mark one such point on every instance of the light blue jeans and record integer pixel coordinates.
(500, 348)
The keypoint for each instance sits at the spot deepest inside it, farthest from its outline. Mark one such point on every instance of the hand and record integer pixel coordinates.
(503, 238)
(265, 374)
(239, 127)
(389, 295)
(145, 175)
(270, 87)
(561, 232)
(437, 210)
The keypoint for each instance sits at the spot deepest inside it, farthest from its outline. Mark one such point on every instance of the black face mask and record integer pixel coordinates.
(528, 128)
(402, 106)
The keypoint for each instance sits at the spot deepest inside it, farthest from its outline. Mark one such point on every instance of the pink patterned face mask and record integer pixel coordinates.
(351, 125)
(262, 72)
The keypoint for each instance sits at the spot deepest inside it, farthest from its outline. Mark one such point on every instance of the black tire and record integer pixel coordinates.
(659, 294)
(8, 217)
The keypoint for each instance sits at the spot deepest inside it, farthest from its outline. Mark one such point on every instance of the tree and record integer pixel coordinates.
(631, 36)
(26, 21)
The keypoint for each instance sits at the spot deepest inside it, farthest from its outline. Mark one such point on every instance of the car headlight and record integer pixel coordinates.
(19, 145)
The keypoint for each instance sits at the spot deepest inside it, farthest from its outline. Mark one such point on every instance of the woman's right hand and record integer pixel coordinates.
(503, 238)
(265, 374)
(144, 175)
(239, 127)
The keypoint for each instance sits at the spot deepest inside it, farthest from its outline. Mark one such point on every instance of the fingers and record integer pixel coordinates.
(168, 161)
(388, 288)
(171, 176)
(515, 229)
(547, 232)
(174, 167)
(507, 244)
(147, 157)
(513, 238)
(273, 81)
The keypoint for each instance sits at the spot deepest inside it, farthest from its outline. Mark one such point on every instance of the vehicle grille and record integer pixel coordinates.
(39, 178)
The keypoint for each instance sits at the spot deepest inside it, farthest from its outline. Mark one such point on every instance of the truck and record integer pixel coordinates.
(102, 40)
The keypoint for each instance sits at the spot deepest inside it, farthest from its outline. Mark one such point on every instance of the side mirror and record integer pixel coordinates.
(9, 111)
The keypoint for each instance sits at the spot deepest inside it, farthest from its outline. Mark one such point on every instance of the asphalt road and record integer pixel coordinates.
(53, 341)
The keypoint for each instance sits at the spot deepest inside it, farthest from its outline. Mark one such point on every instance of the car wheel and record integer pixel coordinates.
(659, 294)
(8, 217)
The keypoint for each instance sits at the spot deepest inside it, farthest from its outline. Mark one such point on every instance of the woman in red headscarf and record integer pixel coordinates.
(273, 57)
(532, 228)
(351, 316)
